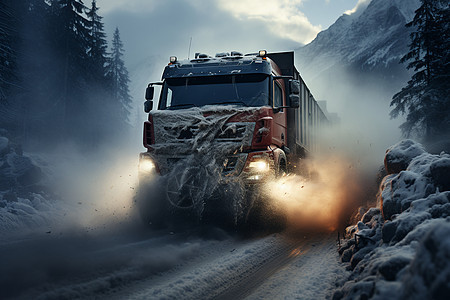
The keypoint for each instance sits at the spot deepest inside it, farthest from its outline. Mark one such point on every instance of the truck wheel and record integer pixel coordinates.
(281, 165)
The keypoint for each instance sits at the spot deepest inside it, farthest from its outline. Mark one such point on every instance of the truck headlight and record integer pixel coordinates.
(147, 165)
(259, 166)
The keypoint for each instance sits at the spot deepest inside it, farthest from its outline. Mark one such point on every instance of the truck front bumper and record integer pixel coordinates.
(252, 167)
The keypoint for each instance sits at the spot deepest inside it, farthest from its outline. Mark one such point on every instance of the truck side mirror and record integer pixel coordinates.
(148, 105)
(294, 101)
(294, 86)
(149, 93)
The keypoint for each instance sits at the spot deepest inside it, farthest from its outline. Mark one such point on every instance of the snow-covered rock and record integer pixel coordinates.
(414, 174)
(399, 156)
(24, 203)
(406, 254)
(17, 171)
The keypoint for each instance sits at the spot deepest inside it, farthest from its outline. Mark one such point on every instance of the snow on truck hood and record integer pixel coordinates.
(226, 128)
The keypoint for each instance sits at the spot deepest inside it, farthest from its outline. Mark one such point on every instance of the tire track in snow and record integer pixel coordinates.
(230, 274)
(246, 286)
(312, 275)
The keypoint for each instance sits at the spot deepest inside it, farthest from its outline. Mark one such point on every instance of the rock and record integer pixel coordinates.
(347, 255)
(440, 173)
(359, 290)
(429, 272)
(358, 256)
(388, 204)
(388, 231)
(390, 268)
(399, 156)
(370, 214)
(440, 211)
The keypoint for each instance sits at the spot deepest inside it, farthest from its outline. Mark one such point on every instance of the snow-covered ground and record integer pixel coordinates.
(402, 251)
(191, 264)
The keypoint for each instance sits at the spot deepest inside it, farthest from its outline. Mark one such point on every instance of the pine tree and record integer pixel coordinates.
(8, 72)
(74, 44)
(118, 75)
(425, 99)
(35, 66)
(98, 43)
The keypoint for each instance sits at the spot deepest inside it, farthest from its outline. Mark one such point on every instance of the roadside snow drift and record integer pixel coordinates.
(402, 250)
(24, 200)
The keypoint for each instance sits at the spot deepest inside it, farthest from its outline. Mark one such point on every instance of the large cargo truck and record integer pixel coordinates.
(233, 117)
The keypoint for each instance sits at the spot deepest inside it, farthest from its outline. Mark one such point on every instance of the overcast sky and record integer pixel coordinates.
(165, 27)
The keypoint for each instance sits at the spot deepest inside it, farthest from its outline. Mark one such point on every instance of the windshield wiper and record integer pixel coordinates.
(181, 105)
(231, 102)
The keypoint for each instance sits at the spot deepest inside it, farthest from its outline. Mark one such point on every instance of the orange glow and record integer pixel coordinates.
(295, 252)
(321, 201)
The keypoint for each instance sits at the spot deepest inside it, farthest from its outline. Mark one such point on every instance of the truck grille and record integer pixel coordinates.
(232, 132)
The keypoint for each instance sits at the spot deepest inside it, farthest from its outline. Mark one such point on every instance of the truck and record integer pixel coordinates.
(227, 123)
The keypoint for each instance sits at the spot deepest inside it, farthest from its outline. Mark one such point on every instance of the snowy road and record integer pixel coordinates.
(195, 264)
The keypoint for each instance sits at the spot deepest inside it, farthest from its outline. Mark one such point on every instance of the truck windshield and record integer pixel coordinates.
(243, 90)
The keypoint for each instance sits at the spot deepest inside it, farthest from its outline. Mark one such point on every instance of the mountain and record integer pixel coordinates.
(354, 66)
(366, 44)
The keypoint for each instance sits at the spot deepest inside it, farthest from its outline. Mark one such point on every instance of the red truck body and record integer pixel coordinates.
(283, 131)
(245, 117)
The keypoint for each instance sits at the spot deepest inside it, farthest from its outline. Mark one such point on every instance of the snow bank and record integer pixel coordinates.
(402, 250)
(24, 202)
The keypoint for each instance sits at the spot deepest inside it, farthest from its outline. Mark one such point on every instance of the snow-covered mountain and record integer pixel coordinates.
(370, 40)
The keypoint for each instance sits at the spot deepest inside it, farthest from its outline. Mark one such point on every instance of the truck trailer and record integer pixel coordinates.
(226, 119)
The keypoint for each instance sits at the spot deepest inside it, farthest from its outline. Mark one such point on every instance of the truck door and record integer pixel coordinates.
(279, 131)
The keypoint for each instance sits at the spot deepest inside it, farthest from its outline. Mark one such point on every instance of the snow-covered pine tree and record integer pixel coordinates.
(118, 75)
(425, 99)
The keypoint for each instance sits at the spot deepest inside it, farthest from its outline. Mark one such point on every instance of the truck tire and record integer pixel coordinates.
(280, 163)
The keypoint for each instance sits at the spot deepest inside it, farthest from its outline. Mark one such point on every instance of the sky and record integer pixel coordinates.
(163, 28)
